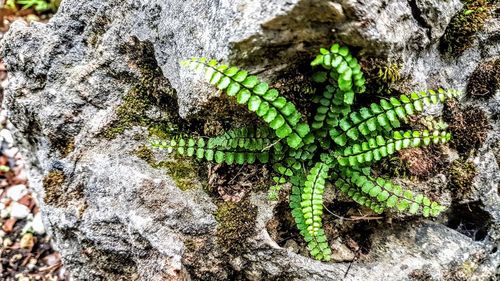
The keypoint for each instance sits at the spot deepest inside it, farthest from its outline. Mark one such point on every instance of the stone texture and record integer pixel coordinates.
(114, 217)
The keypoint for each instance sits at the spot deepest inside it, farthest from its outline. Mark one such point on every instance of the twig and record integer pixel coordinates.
(352, 218)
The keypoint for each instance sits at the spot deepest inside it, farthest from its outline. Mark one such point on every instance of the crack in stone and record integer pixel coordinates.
(417, 15)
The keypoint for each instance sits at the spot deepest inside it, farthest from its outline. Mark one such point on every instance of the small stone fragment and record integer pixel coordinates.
(16, 192)
(27, 241)
(340, 252)
(11, 152)
(7, 136)
(19, 211)
(7, 242)
(37, 224)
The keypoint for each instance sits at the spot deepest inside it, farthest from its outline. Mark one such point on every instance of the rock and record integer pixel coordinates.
(16, 192)
(7, 242)
(19, 211)
(87, 87)
(340, 252)
(6, 135)
(27, 241)
(11, 152)
(37, 224)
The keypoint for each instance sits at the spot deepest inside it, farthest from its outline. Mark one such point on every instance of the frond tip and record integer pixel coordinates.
(280, 114)
(394, 196)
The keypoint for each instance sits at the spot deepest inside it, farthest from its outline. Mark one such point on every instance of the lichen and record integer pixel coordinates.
(485, 80)
(461, 31)
(182, 171)
(63, 143)
(236, 222)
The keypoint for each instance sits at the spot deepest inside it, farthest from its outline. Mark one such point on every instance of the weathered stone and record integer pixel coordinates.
(116, 215)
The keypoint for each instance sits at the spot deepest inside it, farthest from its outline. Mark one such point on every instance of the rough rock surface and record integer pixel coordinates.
(114, 217)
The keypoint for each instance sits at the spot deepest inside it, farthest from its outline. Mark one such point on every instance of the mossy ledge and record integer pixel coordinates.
(150, 93)
(183, 172)
(53, 186)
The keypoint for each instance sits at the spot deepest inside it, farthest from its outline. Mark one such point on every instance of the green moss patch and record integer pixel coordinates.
(53, 186)
(149, 94)
(236, 222)
(461, 31)
(184, 172)
(381, 75)
(462, 175)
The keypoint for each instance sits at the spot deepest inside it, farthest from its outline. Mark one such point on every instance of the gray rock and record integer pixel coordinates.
(114, 217)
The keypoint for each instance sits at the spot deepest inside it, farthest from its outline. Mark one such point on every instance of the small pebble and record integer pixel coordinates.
(7, 136)
(37, 224)
(7, 242)
(27, 241)
(16, 192)
(32, 263)
(19, 211)
(3, 117)
(11, 152)
(4, 213)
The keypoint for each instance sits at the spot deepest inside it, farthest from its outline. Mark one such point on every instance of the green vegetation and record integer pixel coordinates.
(460, 33)
(236, 221)
(336, 144)
(40, 6)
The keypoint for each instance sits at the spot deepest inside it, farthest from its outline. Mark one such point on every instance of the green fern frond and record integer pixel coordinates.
(279, 113)
(347, 187)
(386, 115)
(343, 68)
(284, 169)
(307, 207)
(253, 139)
(392, 195)
(379, 147)
(200, 149)
(324, 113)
(312, 210)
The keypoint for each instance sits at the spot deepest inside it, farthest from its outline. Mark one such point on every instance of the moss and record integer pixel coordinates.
(236, 222)
(469, 127)
(53, 186)
(112, 264)
(420, 275)
(462, 175)
(58, 195)
(183, 172)
(381, 75)
(460, 33)
(485, 80)
(151, 93)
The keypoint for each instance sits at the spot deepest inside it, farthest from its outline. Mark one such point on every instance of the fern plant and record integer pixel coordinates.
(336, 146)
